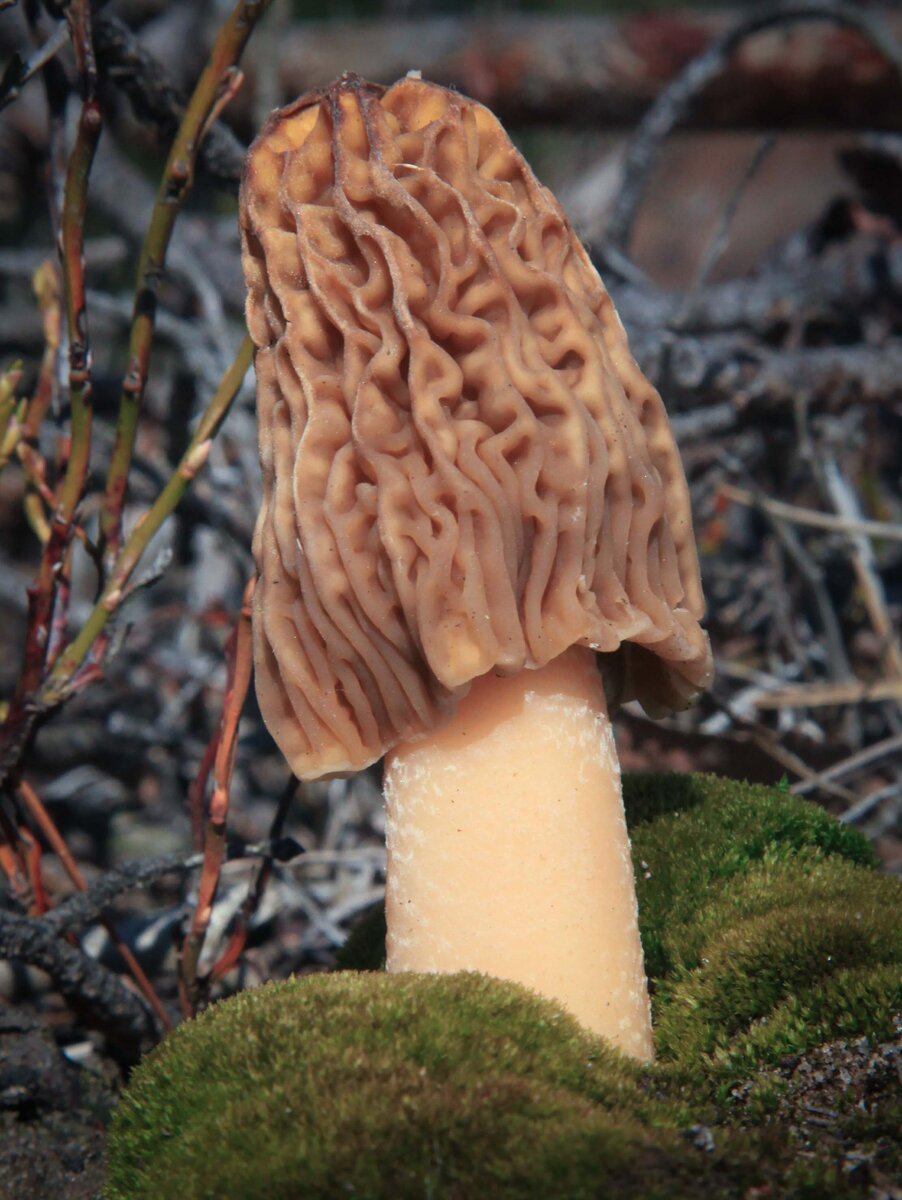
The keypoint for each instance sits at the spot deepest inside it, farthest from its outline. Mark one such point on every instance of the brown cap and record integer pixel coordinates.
(464, 469)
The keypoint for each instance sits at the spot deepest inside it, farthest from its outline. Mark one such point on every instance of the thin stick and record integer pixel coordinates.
(61, 681)
(198, 790)
(720, 239)
(215, 86)
(809, 516)
(869, 581)
(14, 863)
(44, 593)
(866, 805)
(768, 741)
(9, 402)
(34, 859)
(837, 659)
(75, 200)
(256, 890)
(820, 695)
(240, 660)
(46, 286)
(855, 762)
(12, 87)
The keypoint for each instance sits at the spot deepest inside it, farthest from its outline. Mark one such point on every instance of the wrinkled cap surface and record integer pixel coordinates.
(464, 469)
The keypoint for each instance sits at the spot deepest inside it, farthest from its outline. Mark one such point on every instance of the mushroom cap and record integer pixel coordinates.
(464, 469)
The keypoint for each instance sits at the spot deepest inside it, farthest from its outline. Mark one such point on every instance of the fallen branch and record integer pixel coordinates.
(751, 377)
(83, 908)
(603, 71)
(879, 751)
(90, 988)
(831, 290)
(674, 102)
(128, 65)
(33, 805)
(870, 584)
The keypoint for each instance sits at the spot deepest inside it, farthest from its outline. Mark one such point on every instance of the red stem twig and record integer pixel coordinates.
(35, 808)
(14, 863)
(198, 790)
(43, 594)
(35, 874)
(240, 664)
(256, 890)
(73, 668)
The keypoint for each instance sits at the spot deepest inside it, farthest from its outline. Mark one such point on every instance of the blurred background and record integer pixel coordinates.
(736, 172)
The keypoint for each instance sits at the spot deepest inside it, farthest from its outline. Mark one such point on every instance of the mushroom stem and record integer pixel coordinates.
(508, 851)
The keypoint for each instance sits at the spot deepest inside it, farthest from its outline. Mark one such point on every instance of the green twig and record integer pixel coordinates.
(46, 286)
(9, 381)
(214, 88)
(72, 253)
(58, 684)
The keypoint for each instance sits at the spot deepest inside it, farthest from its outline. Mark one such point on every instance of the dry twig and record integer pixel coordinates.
(90, 988)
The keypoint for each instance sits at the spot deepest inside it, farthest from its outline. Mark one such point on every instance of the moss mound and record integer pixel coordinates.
(767, 934)
(377, 1085)
(695, 836)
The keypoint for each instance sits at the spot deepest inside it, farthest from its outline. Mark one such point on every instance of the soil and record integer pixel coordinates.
(833, 1097)
(53, 1114)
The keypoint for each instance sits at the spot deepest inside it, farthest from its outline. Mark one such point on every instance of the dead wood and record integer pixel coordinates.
(97, 993)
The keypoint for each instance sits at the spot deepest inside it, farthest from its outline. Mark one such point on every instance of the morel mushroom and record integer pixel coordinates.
(472, 500)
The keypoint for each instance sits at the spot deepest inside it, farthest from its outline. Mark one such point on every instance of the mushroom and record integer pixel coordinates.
(472, 502)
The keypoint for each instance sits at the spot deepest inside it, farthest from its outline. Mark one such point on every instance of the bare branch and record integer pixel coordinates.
(83, 908)
(89, 987)
(672, 105)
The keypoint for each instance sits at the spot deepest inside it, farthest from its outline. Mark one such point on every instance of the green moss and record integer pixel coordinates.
(365, 948)
(767, 934)
(807, 878)
(790, 956)
(777, 930)
(755, 967)
(376, 1085)
(692, 835)
(760, 816)
(854, 1002)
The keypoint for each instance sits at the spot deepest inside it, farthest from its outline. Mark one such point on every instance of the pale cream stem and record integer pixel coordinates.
(508, 851)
